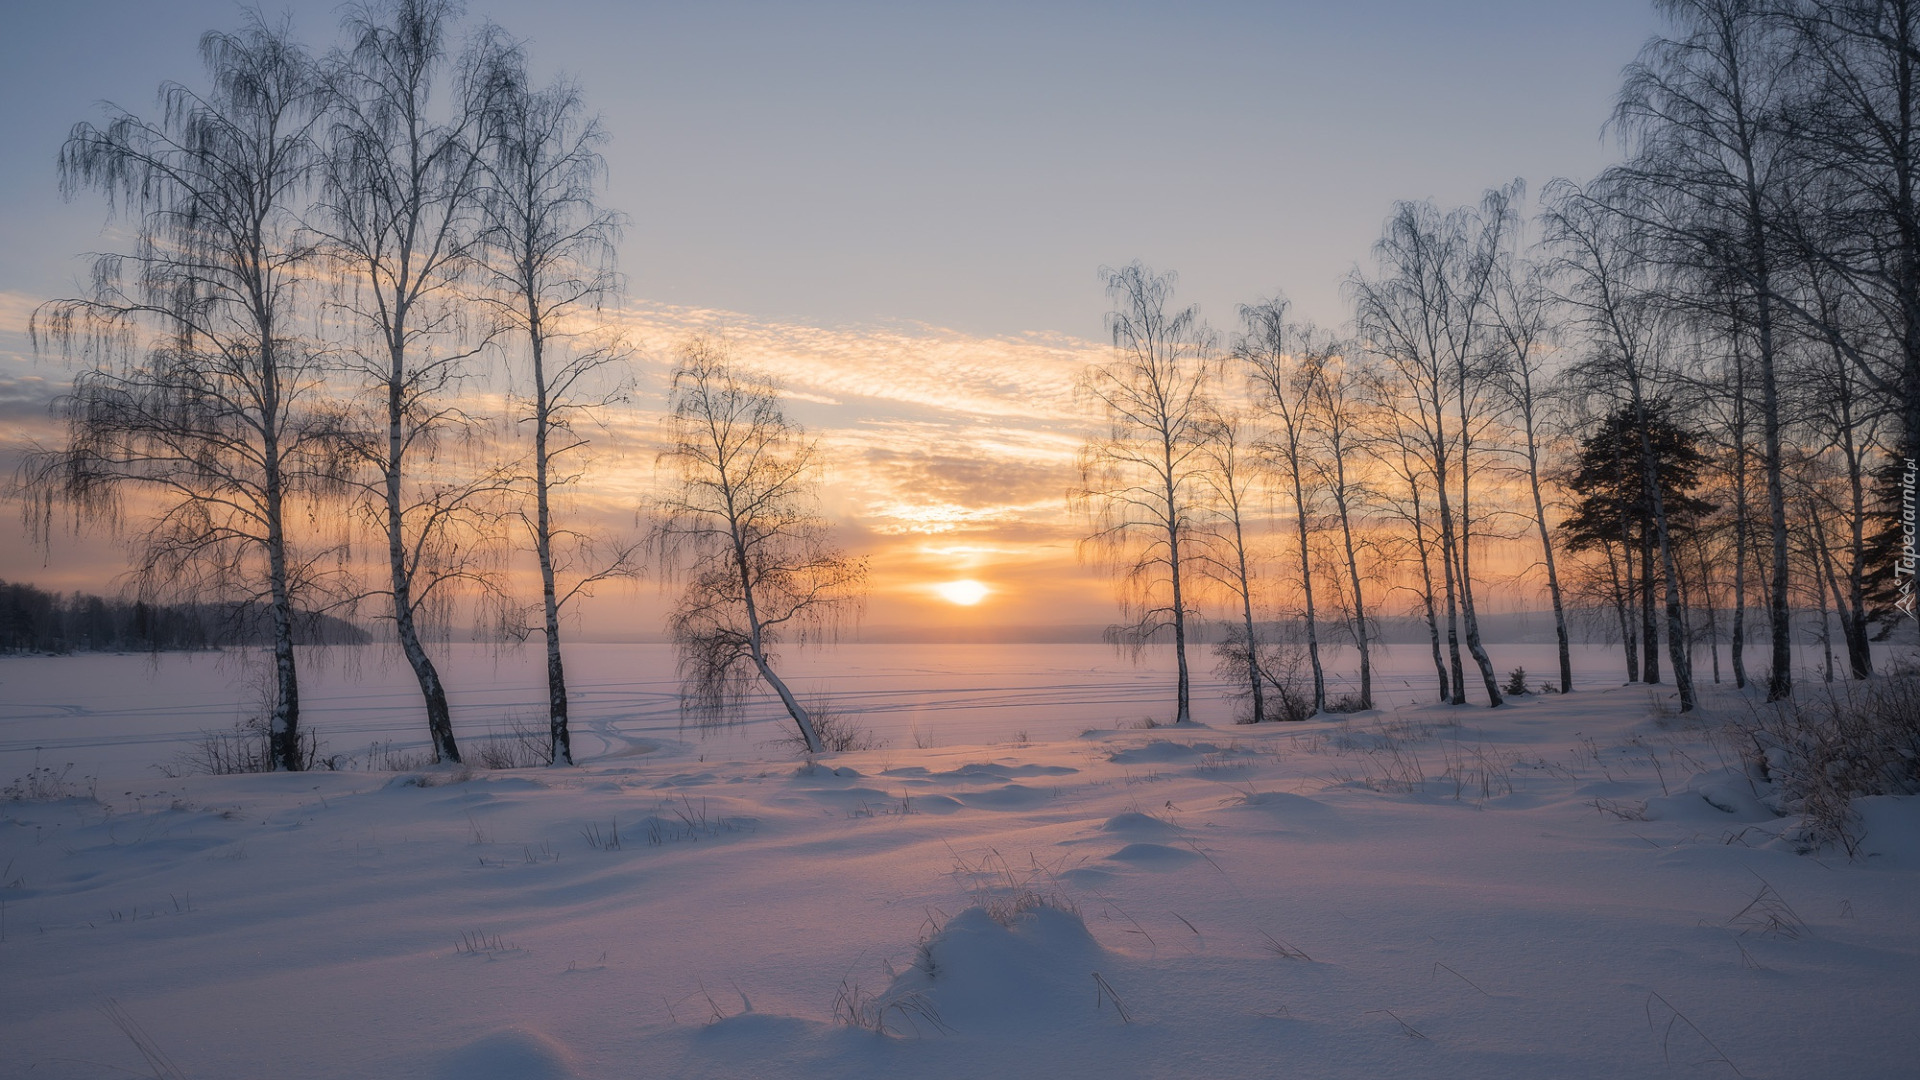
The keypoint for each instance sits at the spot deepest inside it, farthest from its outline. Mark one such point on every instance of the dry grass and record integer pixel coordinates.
(247, 747)
(43, 784)
(158, 1064)
(522, 745)
(899, 1012)
(838, 732)
(1842, 744)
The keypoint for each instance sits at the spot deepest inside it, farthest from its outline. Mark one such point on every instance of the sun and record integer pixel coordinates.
(966, 592)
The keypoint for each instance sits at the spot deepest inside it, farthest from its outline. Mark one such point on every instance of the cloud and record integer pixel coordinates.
(904, 476)
(941, 449)
(856, 367)
(24, 400)
(15, 311)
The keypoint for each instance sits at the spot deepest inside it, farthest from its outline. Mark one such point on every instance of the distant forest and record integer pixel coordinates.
(36, 621)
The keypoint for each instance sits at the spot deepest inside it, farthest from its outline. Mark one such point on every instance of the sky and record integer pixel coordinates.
(903, 210)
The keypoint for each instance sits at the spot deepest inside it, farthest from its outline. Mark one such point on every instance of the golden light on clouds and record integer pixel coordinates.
(947, 459)
(945, 454)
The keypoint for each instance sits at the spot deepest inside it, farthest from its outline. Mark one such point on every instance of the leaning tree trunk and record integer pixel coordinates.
(439, 716)
(756, 647)
(1471, 617)
(808, 733)
(1474, 645)
(1546, 552)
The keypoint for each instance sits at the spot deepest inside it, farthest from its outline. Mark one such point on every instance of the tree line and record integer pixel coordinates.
(282, 379)
(33, 620)
(1693, 381)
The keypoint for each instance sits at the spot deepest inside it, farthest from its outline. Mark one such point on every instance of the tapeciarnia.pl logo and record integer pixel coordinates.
(1903, 568)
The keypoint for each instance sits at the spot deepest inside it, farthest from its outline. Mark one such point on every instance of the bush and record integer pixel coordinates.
(1288, 699)
(247, 747)
(522, 746)
(1820, 755)
(838, 731)
(1516, 682)
(1285, 694)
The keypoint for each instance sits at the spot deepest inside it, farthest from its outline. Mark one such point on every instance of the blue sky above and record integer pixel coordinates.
(964, 165)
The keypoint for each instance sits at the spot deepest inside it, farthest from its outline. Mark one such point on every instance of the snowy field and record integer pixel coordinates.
(1021, 882)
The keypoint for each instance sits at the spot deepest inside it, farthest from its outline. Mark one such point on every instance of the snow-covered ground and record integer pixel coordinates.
(1020, 883)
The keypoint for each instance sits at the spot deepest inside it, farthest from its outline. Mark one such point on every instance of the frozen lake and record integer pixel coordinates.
(120, 717)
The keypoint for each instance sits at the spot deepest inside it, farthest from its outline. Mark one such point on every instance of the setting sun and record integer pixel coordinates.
(966, 592)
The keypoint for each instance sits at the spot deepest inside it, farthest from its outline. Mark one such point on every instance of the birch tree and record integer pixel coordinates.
(1419, 314)
(204, 400)
(550, 250)
(1141, 474)
(401, 219)
(1520, 309)
(1275, 356)
(742, 530)
(1704, 186)
(1857, 218)
(1226, 555)
(1338, 424)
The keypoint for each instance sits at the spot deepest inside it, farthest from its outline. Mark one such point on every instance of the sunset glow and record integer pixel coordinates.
(965, 592)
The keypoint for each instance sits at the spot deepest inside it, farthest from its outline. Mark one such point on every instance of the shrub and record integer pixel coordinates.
(1516, 682)
(1821, 754)
(838, 731)
(522, 746)
(1285, 695)
(247, 747)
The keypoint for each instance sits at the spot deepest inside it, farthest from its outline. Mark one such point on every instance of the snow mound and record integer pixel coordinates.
(814, 771)
(497, 782)
(933, 804)
(981, 770)
(1139, 824)
(428, 778)
(1157, 750)
(1890, 827)
(1155, 855)
(1033, 972)
(1720, 795)
(1008, 797)
(1285, 802)
(513, 1054)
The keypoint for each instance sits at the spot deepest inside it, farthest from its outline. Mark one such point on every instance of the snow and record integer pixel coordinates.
(1573, 886)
